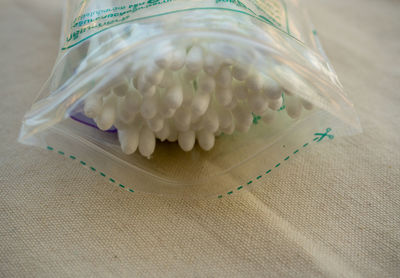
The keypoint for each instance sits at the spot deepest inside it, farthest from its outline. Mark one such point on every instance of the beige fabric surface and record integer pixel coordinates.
(334, 211)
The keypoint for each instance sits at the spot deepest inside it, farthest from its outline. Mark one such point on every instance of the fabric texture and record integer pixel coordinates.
(333, 211)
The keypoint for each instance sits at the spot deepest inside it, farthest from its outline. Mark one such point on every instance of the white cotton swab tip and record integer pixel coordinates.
(154, 74)
(206, 139)
(122, 88)
(164, 132)
(243, 118)
(200, 104)
(268, 116)
(224, 77)
(107, 116)
(174, 97)
(128, 107)
(156, 124)
(307, 105)
(149, 107)
(240, 72)
(293, 107)
(257, 103)
(93, 105)
(187, 140)
(182, 119)
(163, 59)
(173, 134)
(226, 121)
(255, 82)
(147, 142)
(129, 139)
(271, 89)
(211, 64)
(211, 121)
(275, 104)
(223, 96)
(178, 59)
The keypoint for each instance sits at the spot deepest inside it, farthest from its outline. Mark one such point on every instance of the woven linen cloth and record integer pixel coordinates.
(332, 211)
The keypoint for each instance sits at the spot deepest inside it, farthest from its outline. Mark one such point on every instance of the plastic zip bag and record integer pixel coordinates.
(138, 83)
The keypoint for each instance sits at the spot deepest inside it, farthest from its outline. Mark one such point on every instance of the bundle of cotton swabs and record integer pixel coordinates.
(186, 93)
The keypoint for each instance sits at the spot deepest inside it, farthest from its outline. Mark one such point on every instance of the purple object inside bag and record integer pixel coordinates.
(82, 118)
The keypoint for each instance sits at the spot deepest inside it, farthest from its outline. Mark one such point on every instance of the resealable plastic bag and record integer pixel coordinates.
(108, 46)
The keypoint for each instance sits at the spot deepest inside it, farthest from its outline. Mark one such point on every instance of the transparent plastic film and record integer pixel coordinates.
(188, 98)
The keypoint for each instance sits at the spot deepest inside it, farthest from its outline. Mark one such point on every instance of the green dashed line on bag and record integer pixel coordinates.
(83, 163)
(318, 139)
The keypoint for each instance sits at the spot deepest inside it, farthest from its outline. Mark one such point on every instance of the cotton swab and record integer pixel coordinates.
(206, 139)
(147, 142)
(148, 110)
(129, 139)
(93, 105)
(108, 114)
(187, 140)
(240, 73)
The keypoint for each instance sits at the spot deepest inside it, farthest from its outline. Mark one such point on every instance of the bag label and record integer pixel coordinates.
(90, 17)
